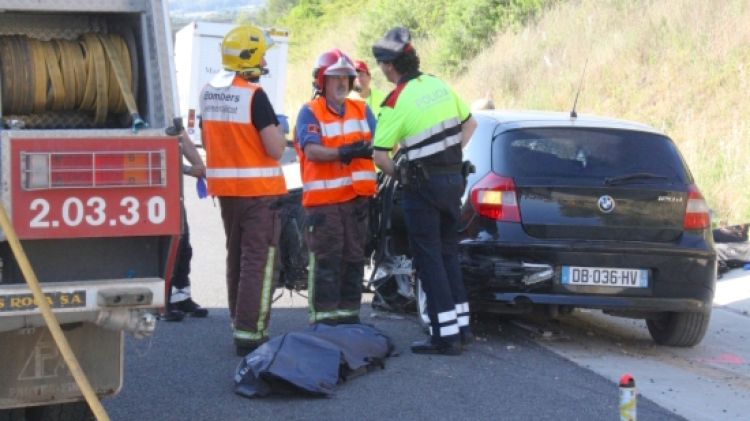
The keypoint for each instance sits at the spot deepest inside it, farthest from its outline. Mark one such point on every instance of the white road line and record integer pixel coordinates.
(708, 382)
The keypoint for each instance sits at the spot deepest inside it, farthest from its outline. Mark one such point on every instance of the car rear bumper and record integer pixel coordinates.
(487, 299)
(679, 280)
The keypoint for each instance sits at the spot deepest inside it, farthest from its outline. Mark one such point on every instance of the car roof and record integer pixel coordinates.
(520, 119)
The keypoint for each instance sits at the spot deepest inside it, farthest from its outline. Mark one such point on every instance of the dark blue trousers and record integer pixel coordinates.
(432, 214)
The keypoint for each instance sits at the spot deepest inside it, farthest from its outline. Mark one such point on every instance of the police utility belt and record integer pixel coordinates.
(412, 173)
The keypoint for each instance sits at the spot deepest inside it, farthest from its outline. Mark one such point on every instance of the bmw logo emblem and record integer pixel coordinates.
(606, 204)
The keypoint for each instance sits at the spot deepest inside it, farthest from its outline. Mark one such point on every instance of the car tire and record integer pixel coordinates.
(421, 298)
(679, 329)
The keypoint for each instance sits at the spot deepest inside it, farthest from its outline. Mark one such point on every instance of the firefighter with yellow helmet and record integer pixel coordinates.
(243, 142)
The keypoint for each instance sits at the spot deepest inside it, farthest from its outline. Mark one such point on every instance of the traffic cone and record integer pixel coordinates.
(627, 398)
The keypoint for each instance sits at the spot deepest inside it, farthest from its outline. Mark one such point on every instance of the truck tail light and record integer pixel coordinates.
(494, 197)
(697, 215)
(58, 170)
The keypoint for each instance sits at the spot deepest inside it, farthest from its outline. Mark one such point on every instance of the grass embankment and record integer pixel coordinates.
(682, 66)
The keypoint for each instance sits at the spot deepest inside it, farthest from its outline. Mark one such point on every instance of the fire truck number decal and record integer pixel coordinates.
(94, 211)
(94, 187)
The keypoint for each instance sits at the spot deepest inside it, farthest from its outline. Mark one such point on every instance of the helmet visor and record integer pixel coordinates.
(342, 67)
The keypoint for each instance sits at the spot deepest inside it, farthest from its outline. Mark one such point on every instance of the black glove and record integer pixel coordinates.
(359, 149)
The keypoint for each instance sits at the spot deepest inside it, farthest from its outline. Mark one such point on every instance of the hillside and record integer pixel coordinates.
(679, 65)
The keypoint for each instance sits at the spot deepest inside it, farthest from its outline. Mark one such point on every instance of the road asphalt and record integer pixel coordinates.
(185, 372)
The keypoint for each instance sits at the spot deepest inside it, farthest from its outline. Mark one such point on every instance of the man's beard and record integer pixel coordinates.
(341, 93)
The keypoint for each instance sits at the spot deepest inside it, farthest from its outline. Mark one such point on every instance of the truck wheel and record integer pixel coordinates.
(422, 317)
(72, 411)
(679, 329)
(15, 414)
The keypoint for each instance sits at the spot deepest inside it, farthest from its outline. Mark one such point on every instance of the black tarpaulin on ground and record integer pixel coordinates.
(313, 361)
(732, 247)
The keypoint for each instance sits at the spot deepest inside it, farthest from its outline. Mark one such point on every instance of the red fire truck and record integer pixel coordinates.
(91, 183)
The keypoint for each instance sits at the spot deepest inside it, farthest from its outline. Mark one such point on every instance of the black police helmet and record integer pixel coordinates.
(397, 41)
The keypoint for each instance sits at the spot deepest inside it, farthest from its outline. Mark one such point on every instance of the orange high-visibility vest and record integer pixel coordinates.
(236, 160)
(335, 182)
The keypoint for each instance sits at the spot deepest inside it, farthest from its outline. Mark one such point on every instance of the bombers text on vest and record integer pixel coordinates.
(236, 160)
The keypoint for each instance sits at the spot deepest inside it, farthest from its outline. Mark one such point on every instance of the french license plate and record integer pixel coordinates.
(607, 277)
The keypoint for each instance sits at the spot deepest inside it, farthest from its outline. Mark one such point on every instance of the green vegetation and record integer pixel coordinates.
(679, 65)
(457, 30)
(274, 11)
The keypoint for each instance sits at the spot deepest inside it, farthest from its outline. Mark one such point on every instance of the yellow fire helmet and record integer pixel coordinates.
(242, 50)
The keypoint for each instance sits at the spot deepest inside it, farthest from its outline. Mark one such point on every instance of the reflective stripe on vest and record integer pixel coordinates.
(349, 127)
(243, 172)
(335, 182)
(433, 140)
(364, 176)
(327, 184)
(236, 160)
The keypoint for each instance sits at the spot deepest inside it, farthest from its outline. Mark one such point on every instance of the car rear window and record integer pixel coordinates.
(588, 153)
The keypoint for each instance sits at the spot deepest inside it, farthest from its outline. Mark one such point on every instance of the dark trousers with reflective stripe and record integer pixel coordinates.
(252, 231)
(432, 215)
(336, 236)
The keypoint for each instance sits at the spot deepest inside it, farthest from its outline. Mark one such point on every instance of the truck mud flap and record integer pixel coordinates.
(34, 372)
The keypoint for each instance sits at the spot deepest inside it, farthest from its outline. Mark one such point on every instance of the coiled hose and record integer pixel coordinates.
(68, 79)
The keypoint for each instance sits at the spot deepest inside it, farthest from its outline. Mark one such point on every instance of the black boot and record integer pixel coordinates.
(244, 346)
(467, 338)
(349, 320)
(430, 346)
(172, 315)
(190, 307)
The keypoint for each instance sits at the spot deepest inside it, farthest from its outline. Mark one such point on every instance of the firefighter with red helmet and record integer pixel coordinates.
(333, 137)
(364, 90)
(243, 142)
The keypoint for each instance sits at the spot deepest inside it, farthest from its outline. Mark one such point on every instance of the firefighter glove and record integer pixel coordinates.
(359, 149)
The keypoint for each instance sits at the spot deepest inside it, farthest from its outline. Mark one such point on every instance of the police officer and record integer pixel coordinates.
(243, 144)
(429, 124)
(333, 138)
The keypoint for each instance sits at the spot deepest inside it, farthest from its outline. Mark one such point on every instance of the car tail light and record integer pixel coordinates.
(696, 213)
(494, 197)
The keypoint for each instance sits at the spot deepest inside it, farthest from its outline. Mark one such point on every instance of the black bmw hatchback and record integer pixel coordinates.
(586, 212)
(571, 212)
